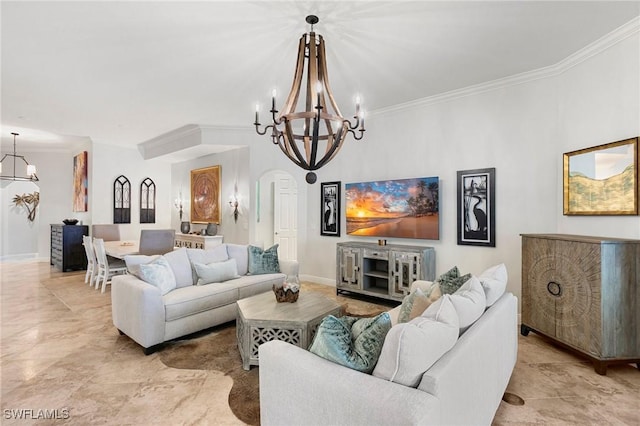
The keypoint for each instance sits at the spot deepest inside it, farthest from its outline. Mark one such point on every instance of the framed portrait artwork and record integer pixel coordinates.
(476, 207)
(330, 209)
(205, 195)
(602, 180)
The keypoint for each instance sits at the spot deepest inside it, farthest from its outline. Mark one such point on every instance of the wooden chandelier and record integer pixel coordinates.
(299, 134)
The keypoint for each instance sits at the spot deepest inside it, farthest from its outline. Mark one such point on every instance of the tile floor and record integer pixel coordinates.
(59, 351)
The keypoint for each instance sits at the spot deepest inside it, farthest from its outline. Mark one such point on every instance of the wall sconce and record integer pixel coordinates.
(177, 203)
(234, 205)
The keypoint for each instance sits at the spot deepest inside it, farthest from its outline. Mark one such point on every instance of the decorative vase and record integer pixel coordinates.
(212, 229)
(185, 227)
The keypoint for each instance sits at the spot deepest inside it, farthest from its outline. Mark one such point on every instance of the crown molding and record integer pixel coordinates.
(602, 44)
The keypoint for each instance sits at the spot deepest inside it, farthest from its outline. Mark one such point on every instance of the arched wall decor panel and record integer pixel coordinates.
(147, 201)
(121, 200)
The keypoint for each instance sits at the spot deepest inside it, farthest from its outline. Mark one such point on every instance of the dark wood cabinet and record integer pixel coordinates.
(67, 251)
(584, 293)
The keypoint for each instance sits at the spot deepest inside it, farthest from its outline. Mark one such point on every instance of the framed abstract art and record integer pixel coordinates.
(602, 180)
(205, 195)
(80, 190)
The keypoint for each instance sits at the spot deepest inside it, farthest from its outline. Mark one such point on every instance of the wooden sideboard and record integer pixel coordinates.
(67, 251)
(198, 241)
(382, 271)
(584, 293)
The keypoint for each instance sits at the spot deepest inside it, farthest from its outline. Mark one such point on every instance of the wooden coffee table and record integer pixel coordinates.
(261, 319)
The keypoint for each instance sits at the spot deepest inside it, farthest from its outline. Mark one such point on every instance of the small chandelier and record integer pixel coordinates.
(30, 169)
(300, 133)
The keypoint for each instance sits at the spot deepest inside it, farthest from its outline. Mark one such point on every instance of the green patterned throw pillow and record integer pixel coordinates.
(263, 261)
(352, 342)
(416, 302)
(451, 280)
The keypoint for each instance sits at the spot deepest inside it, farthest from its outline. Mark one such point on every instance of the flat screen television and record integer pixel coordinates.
(400, 208)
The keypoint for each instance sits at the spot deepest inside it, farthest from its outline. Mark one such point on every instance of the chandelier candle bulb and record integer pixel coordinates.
(257, 112)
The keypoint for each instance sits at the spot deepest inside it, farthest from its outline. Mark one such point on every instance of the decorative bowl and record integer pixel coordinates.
(287, 295)
(70, 221)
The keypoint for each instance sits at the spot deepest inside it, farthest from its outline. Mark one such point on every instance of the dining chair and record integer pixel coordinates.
(107, 266)
(157, 241)
(107, 232)
(92, 266)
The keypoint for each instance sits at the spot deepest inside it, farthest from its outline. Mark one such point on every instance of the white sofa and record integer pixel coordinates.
(463, 387)
(143, 313)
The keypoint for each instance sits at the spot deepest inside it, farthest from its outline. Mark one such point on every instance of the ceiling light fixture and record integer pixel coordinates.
(31, 169)
(293, 130)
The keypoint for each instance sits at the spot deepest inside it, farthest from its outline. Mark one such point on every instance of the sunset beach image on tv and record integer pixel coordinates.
(401, 208)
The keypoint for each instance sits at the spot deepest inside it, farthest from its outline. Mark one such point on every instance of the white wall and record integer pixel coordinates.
(234, 166)
(510, 129)
(599, 103)
(23, 239)
(106, 164)
(521, 130)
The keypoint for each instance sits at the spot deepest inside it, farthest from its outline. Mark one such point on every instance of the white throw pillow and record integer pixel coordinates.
(181, 267)
(216, 254)
(216, 272)
(133, 262)
(494, 282)
(241, 254)
(412, 348)
(470, 302)
(159, 274)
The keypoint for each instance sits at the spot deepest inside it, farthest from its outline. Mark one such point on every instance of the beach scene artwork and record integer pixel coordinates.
(400, 208)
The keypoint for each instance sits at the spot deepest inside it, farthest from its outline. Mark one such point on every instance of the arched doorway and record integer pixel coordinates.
(277, 212)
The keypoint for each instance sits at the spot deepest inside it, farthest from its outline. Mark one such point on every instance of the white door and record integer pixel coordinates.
(285, 217)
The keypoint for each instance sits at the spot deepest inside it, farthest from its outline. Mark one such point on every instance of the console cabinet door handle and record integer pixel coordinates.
(554, 288)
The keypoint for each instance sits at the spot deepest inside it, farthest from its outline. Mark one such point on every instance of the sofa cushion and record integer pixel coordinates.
(133, 262)
(187, 301)
(159, 274)
(263, 261)
(181, 267)
(241, 254)
(353, 342)
(451, 280)
(412, 348)
(250, 285)
(215, 254)
(494, 283)
(216, 272)
(416, 302)
(470, 302)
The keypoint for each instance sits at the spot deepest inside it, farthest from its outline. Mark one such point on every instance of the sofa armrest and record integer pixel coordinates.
(289, 267)
(137, 309)
(298, 387)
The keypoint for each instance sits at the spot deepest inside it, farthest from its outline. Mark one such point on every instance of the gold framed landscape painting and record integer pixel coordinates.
(205, 195)
(602, 180)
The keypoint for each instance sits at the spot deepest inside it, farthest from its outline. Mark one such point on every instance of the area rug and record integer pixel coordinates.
(217, 349)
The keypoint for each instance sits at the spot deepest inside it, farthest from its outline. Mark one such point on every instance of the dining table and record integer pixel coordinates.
(119, 249)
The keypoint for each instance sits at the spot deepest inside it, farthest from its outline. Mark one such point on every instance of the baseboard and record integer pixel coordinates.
(318, 280)
(22, 257)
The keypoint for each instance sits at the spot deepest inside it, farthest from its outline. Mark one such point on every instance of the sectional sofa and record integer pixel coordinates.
(141, 310)
(424, 376)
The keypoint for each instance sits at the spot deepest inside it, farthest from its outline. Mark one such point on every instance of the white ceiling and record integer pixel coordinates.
(126, 72)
